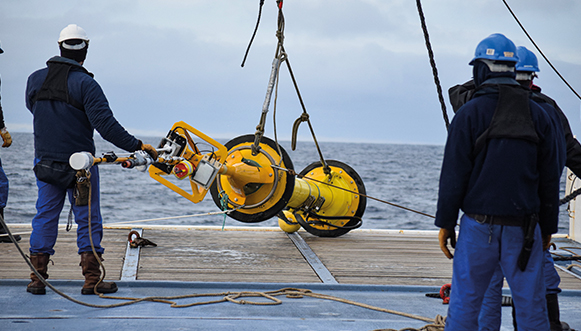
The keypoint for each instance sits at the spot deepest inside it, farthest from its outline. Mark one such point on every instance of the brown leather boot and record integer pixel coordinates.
(40, 263)
(92, 273)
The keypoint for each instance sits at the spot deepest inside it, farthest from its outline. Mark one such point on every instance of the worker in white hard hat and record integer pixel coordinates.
(68, 105)
(73, 43)
(7, 141)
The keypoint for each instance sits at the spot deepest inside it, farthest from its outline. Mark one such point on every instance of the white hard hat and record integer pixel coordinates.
(73, 31)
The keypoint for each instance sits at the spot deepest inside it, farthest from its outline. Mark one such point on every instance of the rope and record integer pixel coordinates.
(254, 33)
(573, 257)
(370, 197)
(294, 293)
(433, 63)
(326, 168)
(538, 49)
(174, 217)
(570, 197)
(233, 297)
(47, 284)
(438, 325)
(280, 57)
(88, 175)
(292, 172)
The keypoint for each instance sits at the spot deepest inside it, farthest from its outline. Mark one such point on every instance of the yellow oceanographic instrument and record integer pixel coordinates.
(252, 176)
(253, 186)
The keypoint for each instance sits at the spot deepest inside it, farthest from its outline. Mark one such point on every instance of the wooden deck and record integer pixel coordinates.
(257, 255)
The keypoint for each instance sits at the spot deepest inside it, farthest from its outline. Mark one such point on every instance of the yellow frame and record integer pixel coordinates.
(198, 193)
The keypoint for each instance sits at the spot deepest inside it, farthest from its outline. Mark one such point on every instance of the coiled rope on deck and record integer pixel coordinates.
(232, 297)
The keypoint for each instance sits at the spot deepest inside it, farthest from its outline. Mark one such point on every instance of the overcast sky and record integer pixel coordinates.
(361, 66)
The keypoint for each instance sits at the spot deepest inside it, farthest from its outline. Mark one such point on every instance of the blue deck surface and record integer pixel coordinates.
(24, 311)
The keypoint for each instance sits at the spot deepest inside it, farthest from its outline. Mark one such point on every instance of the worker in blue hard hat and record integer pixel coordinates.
(526, 70)
(7, 141)
(502, 169)
(68, 105)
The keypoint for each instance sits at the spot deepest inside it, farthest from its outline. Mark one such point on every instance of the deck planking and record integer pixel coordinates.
(257, 255)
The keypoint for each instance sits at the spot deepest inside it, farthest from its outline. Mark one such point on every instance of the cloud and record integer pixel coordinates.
(361, 66)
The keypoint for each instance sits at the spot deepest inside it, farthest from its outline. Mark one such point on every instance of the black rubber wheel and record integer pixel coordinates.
(360, 208)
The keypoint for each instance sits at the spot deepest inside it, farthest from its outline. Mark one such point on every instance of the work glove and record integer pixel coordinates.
(149, 150)
(443, 238)
(6, 137)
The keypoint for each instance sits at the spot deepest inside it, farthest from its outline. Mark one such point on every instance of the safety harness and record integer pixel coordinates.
(55, 86)
(512, 118)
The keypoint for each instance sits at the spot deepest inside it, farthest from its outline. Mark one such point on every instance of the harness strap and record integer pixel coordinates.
(55, 86)
(512, 118)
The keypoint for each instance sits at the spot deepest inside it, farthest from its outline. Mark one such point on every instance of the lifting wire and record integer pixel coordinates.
(293, 173)
(539, 49)
(279, 58)
(575, 193)
(175, 217)
(567, 198)
(233, 296)
(433, 63)
(254, 33)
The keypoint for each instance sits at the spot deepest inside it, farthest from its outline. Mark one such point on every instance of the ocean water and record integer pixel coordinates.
(406, 175)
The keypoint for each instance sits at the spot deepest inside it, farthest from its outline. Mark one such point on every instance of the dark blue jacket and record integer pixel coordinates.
(573, 148)
(61, 129)
(511, 177)
(460, 94)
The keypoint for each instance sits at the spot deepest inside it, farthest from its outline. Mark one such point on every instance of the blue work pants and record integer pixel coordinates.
(479, 250)
(49, 205)
(3, 187)
(490, 313)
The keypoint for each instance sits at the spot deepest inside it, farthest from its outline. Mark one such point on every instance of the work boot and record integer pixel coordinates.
(514, 317)
(40, 263)
(92, 273)
(6, 239)
(554, 315)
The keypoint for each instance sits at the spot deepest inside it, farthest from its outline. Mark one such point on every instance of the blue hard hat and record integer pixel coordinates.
(527, 60)
(496, 47)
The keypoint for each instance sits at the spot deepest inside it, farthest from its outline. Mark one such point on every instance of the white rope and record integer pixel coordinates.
(172, 217)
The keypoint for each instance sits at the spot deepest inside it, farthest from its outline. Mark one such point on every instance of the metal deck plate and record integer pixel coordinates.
(23, 311)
